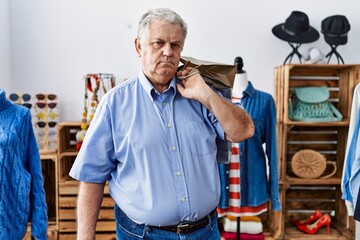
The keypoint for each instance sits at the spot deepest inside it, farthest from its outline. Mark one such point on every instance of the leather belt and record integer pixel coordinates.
(188, 227)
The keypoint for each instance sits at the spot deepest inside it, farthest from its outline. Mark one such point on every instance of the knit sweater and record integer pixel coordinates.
(22, 192)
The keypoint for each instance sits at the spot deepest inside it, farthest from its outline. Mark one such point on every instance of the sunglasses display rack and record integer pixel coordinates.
(44, 109)
(45, 122)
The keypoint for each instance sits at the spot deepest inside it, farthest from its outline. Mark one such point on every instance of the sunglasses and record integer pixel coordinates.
(42, 124)
(47, 143)
(44, 104)
(42, 115)
(14, 97)
(41, 133)
(41, 96)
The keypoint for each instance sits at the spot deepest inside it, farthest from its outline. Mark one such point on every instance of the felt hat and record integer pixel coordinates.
(335, 29)
(296, 29)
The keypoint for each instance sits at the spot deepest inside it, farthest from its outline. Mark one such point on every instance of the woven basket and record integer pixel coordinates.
(311, 164)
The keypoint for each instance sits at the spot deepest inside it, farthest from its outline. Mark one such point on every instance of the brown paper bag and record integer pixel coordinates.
(217, 74)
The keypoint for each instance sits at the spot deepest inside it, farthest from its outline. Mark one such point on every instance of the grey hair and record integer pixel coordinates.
(163, 14)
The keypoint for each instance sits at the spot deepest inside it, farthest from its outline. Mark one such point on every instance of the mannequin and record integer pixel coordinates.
(241, 80)
(22, 191)
(245, 195)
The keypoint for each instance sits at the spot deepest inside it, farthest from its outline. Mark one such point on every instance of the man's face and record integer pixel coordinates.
(160, 52)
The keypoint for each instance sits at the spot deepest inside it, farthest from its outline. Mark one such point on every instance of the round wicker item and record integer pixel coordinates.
(309, 163)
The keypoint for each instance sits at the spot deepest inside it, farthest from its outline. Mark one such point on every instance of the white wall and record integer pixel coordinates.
(54, 43)
(5, 58)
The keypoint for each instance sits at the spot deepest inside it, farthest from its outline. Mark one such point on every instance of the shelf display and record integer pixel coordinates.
(45, 119)
(301, 196)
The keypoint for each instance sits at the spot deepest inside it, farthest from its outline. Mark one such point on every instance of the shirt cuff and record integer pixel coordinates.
(350, 207)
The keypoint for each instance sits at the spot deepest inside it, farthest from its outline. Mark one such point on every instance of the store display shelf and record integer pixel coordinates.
(325, 181)
(336, 233)
(300, 197)
(343, 123)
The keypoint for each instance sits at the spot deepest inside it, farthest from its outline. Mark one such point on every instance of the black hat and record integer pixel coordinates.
(296, 29)
(335, 29)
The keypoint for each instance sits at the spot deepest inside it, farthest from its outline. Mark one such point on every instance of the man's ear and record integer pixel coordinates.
(137, 43)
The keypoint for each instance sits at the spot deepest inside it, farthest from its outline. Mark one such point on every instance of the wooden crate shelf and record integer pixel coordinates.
(341, 80)
(69, 188)
(301, 197)
(99, 236)
(67, 136)
(294, 234)
(50, 179)
(52, 233)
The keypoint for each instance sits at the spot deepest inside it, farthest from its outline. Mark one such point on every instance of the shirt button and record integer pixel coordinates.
(173, 148)
(182, 199)
(178, 173)
(169, 125)
(164, 104)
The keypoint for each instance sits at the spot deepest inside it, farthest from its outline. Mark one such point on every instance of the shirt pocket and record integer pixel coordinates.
(201, 140)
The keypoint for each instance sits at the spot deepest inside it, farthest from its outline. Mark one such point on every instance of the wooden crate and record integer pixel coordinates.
(67, 136)
(67, 148)
(68, 191)
(301, 197)
(98, 236)
(52, 233)
(271, 224)
(50, 178)
(69, 188)
(340, 79)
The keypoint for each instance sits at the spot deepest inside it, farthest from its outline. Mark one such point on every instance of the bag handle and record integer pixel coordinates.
(334, 170)
(338, 116)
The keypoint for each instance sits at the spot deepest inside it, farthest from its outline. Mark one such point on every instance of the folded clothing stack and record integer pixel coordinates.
(251, 228)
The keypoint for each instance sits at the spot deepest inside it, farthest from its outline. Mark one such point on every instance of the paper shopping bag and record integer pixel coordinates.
(219, 75)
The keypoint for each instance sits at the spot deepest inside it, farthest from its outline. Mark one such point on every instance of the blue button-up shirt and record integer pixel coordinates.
(351, 177)
(157, 152)
(258, 167)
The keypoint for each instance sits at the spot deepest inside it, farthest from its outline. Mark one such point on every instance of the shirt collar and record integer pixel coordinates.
(149, 88)
(250, 90)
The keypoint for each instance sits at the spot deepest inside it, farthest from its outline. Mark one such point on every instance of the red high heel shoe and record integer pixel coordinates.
(315, 216)
(325, 220)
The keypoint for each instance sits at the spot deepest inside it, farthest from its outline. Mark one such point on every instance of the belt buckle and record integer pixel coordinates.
(181, 227)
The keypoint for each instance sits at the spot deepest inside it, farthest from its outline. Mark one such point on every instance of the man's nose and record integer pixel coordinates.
(167, 50)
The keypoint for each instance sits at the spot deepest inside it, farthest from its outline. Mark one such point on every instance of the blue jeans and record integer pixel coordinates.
(126, 229)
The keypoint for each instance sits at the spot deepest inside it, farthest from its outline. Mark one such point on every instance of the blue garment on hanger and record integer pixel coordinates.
(257, 187)
(351, 178)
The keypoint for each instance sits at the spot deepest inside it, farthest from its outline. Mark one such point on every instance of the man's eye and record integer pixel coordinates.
(158, 44)
(175, 46)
